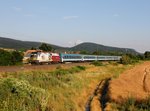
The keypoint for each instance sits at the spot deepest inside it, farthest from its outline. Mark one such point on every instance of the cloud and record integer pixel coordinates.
(116, 15)
(70, 17)
(18, 9)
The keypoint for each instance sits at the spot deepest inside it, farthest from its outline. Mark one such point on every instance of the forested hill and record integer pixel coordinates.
(87, 47)
(18, 44)
(93, 47)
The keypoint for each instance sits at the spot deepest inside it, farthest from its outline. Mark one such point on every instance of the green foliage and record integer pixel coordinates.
(96, 53)
(147, 55)
(89, 47)
(16, 57)
(45, 47)
(5, 58)
(83, 52)
(130, 59)
(81, 67)
(33, 48)
(10, 58)
(125, 59)
(97, 63)
(19, 95)
(60, 71)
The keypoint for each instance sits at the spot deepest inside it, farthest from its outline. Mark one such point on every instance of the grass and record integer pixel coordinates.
(131, 104)
(97, 63)
(59, 90)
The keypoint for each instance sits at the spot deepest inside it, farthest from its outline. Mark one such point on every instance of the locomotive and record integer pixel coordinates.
(39, 57)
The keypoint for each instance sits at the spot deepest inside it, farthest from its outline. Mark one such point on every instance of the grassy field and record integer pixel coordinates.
(59, 90)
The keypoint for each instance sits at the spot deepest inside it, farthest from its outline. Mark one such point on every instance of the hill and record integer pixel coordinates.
(18, 44)
(88, 47)
(91, 47)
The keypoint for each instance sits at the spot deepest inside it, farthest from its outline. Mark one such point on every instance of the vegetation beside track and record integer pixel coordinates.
(59, 90)
(8, 58)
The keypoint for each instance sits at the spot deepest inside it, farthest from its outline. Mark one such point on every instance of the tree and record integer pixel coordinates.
(5, 58)
(147, 55)
(10, 58)
(125, 59)
(16, 57)
(83, 52)
(45, 47)
(33, 48)
(96, 53)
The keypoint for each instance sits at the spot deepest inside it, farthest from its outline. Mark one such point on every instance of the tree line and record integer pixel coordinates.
(15, 57)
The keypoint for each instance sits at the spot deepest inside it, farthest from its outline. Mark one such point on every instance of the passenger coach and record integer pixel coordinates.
(48, 57)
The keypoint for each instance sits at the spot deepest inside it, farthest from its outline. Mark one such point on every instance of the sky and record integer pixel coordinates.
(118, 23)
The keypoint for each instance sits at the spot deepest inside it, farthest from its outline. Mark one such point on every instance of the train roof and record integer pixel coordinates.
(70, 54)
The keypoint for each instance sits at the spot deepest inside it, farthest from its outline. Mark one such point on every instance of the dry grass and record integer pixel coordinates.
(132, 83)
(68, 92)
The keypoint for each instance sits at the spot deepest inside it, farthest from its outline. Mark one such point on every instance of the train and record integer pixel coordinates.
(40, 57)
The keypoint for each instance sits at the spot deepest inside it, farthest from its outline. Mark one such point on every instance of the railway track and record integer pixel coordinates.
(97, 101)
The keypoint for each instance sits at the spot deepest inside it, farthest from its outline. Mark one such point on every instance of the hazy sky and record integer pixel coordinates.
(119, 23)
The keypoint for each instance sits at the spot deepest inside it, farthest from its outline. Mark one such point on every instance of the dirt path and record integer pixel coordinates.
(145, 80)
(97, 101)
(132, 83)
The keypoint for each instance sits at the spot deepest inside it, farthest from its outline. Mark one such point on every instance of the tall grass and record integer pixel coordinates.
(33, 91)
(59, 90)
(97, 63)
(131, 104)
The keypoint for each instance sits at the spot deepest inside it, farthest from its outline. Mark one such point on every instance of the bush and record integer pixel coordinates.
(60, 71)
(5, 58)
(125, 59)
(130, 59)
(19, 95)
(16, 57)
(81, 67)
(97, 63)
(10, 58)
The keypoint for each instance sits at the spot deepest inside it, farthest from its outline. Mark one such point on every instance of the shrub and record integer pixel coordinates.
(132, 105)
(10, 58)
(81, 67)
(125, 59)
(5, 58)
(16, 57)
(97, 63)
(19, 95)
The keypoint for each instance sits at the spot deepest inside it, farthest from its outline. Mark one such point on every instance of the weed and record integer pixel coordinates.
(131, 104)
(97, 63)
